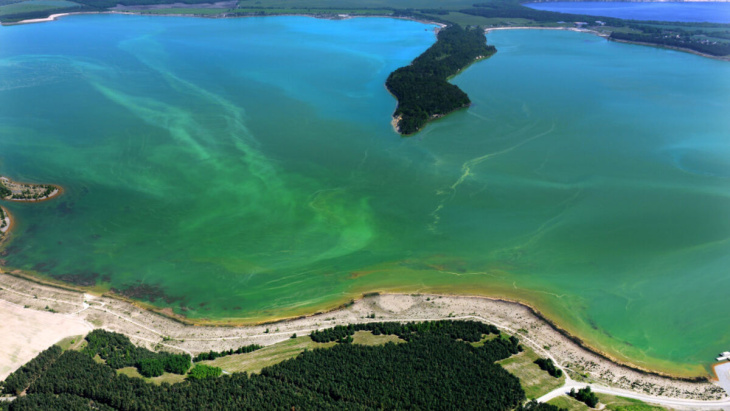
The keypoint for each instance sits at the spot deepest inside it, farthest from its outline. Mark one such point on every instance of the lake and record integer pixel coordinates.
(246, 169)
(696, 12)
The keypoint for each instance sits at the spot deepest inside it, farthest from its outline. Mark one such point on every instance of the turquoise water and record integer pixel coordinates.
(696, 12)
(246, 168)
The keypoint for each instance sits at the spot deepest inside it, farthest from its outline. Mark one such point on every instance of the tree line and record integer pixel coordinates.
(471, 331)
(212, 355)
(435, 369)
(422, 88)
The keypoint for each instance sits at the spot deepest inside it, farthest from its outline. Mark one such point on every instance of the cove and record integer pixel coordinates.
(245, 170)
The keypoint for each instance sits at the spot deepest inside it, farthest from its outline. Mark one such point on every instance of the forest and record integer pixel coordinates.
(422, 88)
(4, 191)
(435, 369)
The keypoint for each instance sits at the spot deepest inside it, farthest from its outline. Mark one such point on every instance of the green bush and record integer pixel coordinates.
(201, 371)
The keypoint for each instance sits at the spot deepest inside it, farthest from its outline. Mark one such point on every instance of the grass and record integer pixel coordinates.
(166, 377)
(611, 402)
(367, 338)
(484, 339)
(253, 362)
(71, 343)
(615, 403)
(569, 403)
(130, 372)
(464, 19)
(535, 381)
(35, 5)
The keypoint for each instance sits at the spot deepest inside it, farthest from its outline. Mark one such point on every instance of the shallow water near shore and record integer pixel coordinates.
(246, 168)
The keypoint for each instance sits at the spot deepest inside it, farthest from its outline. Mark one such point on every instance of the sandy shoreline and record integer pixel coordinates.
(150, 329)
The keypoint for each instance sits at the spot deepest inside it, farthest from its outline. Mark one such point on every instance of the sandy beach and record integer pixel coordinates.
(26, 332)
(74, 309)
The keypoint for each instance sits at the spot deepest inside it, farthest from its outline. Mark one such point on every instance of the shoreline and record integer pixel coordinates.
(152, 329)
(55, 193)
(237, 323)
(58, 190)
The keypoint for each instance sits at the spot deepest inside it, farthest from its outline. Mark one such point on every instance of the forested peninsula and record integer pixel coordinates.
(422, 88)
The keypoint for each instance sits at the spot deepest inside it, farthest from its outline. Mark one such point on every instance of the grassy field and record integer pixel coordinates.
(166, 377)
(72, 343)
(535, 381)
(464, 19)
(367, 338)
(35, 5)
(568, 403)
(253, 362)
(610, 402)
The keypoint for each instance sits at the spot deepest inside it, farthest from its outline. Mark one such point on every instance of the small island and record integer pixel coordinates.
(14, 191)
(422, 88)
(22, 192)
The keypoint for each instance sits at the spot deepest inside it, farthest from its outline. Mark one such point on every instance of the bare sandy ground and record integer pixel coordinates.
(26, 332)
(157, 332)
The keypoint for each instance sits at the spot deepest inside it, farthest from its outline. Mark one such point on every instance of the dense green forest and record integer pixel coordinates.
(4, 191)
(119, 352)
(434, 369)
(422, 89)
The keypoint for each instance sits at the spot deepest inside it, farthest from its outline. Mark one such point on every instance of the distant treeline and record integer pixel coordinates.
(509, 9)
(677, 39)
(422, 89)
(434, 370)
(212, 355)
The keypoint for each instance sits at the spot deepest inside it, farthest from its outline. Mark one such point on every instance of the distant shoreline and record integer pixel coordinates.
(55, 17)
